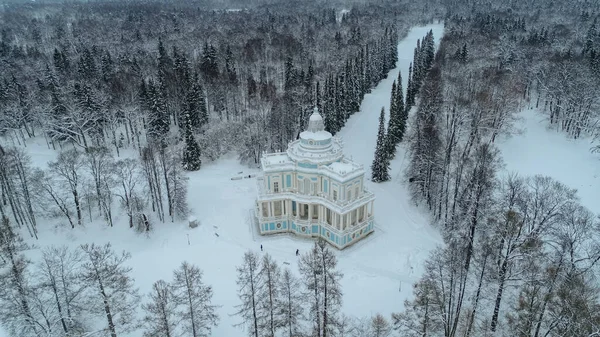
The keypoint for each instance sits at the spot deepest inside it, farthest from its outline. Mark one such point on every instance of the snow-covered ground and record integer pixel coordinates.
(378, 272)
(540, 150)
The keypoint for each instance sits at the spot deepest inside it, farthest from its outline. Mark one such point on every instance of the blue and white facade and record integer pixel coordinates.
(311, 190)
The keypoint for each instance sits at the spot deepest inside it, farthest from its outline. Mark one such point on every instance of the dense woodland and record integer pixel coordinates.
(133, 94)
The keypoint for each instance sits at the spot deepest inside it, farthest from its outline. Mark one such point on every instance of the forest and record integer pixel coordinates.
(131, 95)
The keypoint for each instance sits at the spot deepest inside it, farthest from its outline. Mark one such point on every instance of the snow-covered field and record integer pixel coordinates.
(378, 272)
(541, 150)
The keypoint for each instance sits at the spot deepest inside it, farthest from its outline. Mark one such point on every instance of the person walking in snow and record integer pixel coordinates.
(297, 252)
(261, 248)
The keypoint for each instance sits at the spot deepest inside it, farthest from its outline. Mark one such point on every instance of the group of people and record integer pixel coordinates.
(297, 250)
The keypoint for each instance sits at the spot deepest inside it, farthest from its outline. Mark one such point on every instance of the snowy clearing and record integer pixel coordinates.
(541, 150)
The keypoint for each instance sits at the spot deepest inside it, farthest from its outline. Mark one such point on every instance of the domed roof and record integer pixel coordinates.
(315, 122)
(315, 144)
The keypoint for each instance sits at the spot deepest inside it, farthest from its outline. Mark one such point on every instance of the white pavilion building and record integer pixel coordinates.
(311, 190)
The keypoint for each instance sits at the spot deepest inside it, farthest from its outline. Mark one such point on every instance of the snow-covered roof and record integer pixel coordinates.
(318, 135)
(343, 167)
(315, 123)
(315, 117)
(315, 147)
(276, 158)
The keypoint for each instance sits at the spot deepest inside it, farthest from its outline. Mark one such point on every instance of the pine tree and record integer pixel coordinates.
(158, 115)
(196, 105)
(380, 166)
(393, 125)
(402, 111)
(191, 153)
(410, 99)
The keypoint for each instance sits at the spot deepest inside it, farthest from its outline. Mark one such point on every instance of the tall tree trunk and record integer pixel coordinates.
(191, 306)
(77, 207)
(502, 278)
(477, 294)
(109, 318)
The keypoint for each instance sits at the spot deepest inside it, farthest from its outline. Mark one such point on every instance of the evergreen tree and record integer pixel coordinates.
(196, 105)
(208, 64)
(157, 110)
(410, 99)
(380, 166)
(191, 152)
(402, 111)
(393, 125)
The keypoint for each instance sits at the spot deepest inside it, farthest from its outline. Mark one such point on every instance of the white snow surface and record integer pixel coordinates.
(538, 149)
(343, 168)
(378, 271)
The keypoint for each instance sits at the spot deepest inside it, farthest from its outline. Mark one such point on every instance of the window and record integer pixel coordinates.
(306, 186)
(356, 191)
(314, 188)
(276, 187)
(349, 195)
(277, 208)
(265, 209)
(315, 212)
(334, 195)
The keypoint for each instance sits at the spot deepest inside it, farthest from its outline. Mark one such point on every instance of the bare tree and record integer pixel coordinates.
(105, 271)
(289, 303)
(322, 280)
(160, 319)
(44, 183)
(58, 276)
(14, 183)
(67, 168)
(16, 313)
(194, 298)
(270, 273)
(128, 179)
(380, 326)
(99, 162)
(249, 286)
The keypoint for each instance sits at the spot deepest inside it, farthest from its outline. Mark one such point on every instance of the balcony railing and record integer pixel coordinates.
(308, 222)
(341, 206)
